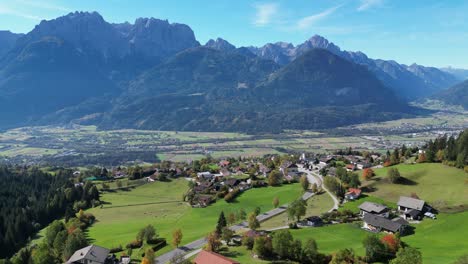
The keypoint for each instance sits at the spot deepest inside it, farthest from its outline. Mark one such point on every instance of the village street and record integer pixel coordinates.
(315, 177)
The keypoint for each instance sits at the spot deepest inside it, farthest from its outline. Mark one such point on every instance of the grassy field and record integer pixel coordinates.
(242, 255)
(160, 204)
(442, 240)
(316, 205)
(334, 237)
(440, 185)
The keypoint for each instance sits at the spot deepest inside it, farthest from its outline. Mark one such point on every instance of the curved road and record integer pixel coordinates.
(314, 177)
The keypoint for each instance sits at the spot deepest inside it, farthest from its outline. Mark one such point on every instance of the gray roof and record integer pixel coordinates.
(412, 203)
(95, 253)
(373, 207)
(384, 223)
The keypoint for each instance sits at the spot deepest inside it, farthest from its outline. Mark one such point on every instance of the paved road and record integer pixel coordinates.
(195, 245)
(315, 177)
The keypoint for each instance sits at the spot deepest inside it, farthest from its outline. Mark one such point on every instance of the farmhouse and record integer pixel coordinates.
(90, 254)
(412, 208)
(207, 257)
(352, 194)
(379, 223)
(373, 208)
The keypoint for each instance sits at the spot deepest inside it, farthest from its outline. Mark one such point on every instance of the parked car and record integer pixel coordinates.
(430, 215)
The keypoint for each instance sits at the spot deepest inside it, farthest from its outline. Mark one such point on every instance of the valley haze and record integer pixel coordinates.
(135, 142)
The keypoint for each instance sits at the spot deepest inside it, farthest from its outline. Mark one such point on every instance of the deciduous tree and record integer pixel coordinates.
(407, 255)
(276, 202)
(253, 221)
(176, 237)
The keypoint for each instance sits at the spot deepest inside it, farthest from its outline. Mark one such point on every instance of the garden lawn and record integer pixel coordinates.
(439, 185)
(332, 238)
(442, 240)
(242, 255)
(159, 204)
(316, 205)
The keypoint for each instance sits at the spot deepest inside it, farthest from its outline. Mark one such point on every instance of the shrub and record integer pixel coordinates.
(116, 249)
(134, 244)
(162, 243)
(232, 195)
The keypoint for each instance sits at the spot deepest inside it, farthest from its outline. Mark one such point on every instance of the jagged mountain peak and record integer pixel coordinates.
(220, 44)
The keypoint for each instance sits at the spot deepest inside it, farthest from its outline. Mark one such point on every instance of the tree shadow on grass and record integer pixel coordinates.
(368, 189)
(406, 181)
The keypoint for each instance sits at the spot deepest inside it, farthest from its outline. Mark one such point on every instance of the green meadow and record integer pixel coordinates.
(442, 186)
(316, 205)
(160, 204)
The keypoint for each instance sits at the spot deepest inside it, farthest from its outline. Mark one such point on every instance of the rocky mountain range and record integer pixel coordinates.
(7, 41)
(409, 82)
(455, 95)
(153, 74)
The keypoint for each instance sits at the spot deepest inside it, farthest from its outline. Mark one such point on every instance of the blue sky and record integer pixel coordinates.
(428, 32)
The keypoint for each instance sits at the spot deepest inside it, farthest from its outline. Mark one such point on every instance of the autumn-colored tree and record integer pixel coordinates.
(440, 155)
(304, 183)
(253, 221)
(387, 163)
(149, 255)
(145, 261)
(393, 175)
(414, 195)
(422, 158)
(391, 242)
(314, 188)
(231, 219)
(367, 174)
(276, 202)
(176, 237)
(213, 244)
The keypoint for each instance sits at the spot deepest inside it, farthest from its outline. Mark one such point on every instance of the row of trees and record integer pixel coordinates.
(61, 240)
(450, 150)
(31, 199)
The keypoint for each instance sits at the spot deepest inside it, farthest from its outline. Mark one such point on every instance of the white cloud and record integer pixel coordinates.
(264, 13)
(42, 5)
(306, 22)
(9, 11)
(368, 4)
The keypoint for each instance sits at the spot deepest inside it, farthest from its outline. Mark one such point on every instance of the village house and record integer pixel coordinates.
(363, 165)
(324, 161)
(204, 200)
(412, 208)
(90, 254)
(374, 209)
(207, 257)
(264, 170)
(224, 163)
(225, 172)
(289, 169)
(350, 167)
(379, 223)
(206, 175)
(353, 194)
(313, 221)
